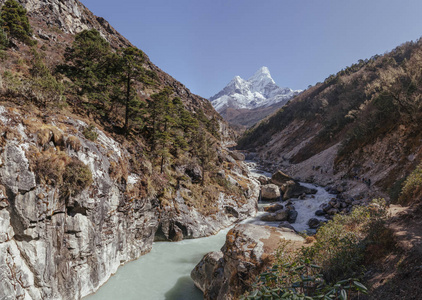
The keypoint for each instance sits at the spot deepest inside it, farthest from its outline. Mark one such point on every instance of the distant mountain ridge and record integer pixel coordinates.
(260, 90)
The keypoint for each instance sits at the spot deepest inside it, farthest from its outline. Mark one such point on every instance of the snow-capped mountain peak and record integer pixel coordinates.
(263, 74)
(258, 91)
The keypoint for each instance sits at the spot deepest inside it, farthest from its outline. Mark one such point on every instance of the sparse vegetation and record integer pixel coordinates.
(76, 177)
(412, 187)
(333, 265)
(90, 133)
(54, 167)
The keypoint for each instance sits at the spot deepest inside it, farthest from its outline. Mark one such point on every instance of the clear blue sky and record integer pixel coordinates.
(205, 43)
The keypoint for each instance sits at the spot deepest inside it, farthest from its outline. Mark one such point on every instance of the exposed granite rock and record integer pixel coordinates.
(280, 215)
(189, 223)
(248, 250)
(270, 192)
(273, 207)
(65, 247)
(292, 189)
(280, 178)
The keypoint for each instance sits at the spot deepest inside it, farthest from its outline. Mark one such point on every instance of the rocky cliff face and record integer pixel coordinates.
(64, 246)
(70, 16)
(52, 247)
(248, 250)
(78, 198)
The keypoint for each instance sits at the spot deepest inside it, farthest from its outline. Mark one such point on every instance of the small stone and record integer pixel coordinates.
(292, 216)
(319, 213)
(333, 211)
(286, 225)
(326, 207)
(313, 223)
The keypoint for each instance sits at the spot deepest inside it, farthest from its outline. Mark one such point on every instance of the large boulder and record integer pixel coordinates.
(237, 155)
(280, 178)
(248, 251)
(270, 192)
(280, 215)
(203, 274)
(273, 207)
(292, 189)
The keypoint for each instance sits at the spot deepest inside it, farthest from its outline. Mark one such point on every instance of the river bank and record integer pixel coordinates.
(164, 273)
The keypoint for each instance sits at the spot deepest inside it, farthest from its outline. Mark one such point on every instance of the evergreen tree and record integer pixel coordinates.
(130, 70)
(90, 64)
(163, 120)
(4, 41)
(44, 85)
(203, 147)
(157, 113)
(15, 22)
(185, 125)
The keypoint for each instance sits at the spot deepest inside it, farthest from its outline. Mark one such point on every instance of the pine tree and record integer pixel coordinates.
(130, 70)
(203, 147)
(15, 22)
(163, 119)
(156, 109)
(90, 63)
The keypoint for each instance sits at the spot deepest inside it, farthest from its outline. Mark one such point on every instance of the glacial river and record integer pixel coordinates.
(164, 273)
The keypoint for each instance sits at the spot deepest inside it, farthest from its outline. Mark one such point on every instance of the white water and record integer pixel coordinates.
(306, 209)
(164, 273)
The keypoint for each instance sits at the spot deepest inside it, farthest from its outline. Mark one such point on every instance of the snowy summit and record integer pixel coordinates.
(258, 91)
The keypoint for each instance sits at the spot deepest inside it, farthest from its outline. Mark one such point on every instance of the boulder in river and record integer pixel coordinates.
(280, 215)
(248, 250)
(270, 192)
(292, 216)
(319, 213)
(313, 223)
(273, 207)
(292, 189)
(279, 178)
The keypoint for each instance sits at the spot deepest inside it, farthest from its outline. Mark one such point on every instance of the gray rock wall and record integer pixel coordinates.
(55, 247)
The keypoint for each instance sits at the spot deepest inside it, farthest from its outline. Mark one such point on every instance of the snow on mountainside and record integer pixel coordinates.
(258, 91)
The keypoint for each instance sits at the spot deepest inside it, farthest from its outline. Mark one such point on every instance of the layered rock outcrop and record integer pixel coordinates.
(59, 241)
(248, 250)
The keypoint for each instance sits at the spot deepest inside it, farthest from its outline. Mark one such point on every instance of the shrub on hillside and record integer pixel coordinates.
(76, 177)
(412, 187)
(90, 133)
(331, 265)
(15, 22)
(56, 168)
